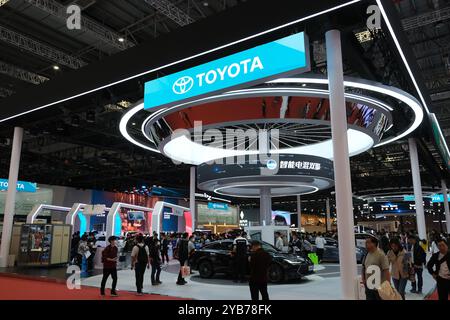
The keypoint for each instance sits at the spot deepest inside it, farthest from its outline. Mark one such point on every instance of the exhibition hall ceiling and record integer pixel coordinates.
(79, 144)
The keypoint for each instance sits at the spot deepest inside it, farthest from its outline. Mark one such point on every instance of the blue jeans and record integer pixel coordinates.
(400, 285)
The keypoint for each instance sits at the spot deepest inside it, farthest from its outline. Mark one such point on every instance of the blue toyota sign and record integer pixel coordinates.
(283, 57)
(22, 186)
(217, 206)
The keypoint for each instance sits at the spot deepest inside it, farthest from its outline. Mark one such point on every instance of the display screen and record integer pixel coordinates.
(281, 218)
(136, 215)
(287, 164)
(217, 214)
(397, 208)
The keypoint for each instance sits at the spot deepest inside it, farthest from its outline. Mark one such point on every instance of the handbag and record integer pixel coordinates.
(387, 292)
(185, 271)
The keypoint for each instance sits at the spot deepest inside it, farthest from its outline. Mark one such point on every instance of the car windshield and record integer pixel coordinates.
(268, 247)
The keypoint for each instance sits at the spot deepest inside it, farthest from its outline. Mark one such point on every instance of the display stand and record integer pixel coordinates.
(267, 234)
(44, 245)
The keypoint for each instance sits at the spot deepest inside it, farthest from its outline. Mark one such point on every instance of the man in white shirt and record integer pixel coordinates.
(320, 246)
(279, 243)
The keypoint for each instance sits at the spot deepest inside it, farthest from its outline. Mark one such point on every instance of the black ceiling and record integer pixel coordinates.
(65, 145)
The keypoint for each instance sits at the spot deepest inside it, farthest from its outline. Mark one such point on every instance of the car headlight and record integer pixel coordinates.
(294, 263)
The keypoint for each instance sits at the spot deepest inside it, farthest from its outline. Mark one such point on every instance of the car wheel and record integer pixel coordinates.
(206, 270)
(276, 273)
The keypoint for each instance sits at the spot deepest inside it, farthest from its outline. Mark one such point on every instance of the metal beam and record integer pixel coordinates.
(426, 18)
(39, 48)
(95, 29)
(21, 74)
(171, 11)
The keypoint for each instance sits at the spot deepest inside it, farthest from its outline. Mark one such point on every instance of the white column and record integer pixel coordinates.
(8, 216)
(344, 202)
(265, 207)
(192, 199)
(446, 208)
(418, 199)
(327, 204)
(299, 212)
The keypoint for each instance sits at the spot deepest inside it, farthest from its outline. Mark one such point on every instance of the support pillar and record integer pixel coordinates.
(192, 198)
(327, 204)
(265, 207)
(446, 207)
(342, 178)
(299, 213)
(8, 216)
(418, 198)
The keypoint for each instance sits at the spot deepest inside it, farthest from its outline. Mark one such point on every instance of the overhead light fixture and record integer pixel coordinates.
(121, 39)
(55, 67)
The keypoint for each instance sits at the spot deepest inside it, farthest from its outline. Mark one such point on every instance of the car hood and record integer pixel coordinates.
(288, 256)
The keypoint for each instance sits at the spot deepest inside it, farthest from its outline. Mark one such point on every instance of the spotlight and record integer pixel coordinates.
(55, 67)
(121, 39)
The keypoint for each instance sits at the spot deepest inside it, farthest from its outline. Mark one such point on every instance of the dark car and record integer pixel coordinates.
(216, 257)
(331, 252)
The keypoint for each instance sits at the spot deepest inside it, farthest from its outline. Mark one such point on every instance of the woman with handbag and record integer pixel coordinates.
(400, 262)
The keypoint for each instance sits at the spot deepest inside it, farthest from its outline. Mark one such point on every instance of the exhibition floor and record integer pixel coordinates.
(323, 285)
(13, 288)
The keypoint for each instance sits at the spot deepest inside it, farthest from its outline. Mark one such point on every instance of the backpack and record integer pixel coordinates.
(142, 257)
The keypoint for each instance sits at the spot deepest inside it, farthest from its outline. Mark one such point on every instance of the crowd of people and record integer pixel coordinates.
(400, 256)
(150, 251)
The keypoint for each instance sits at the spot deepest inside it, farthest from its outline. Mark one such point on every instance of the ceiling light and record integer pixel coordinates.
(55, 67)
(121, 39)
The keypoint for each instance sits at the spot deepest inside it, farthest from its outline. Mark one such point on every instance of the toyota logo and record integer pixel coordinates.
(271, 164)
(183, 85)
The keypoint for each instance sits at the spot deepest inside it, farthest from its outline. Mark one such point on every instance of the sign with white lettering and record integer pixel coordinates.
(22, 186)
(282, 57)
(299, 165)
(217, 206)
